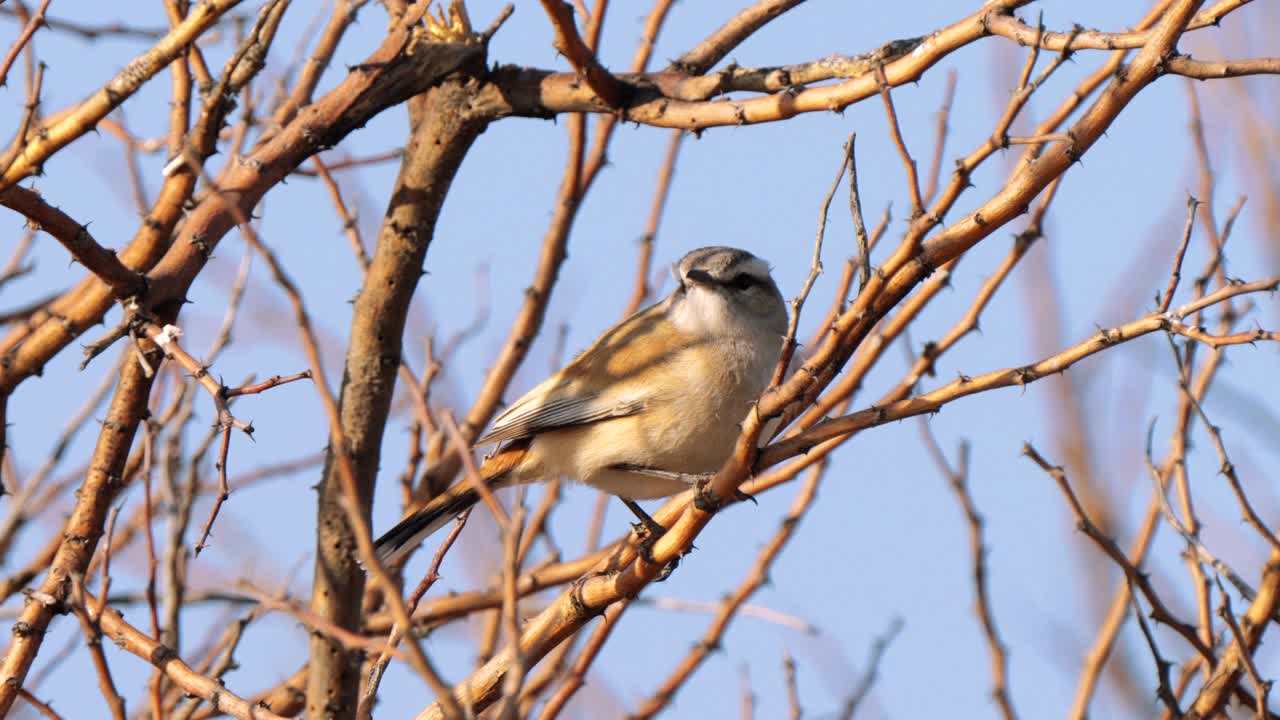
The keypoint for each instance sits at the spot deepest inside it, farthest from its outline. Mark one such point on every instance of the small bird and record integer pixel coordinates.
(653, 404)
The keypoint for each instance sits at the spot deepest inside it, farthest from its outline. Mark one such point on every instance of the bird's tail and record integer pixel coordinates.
(496, 473)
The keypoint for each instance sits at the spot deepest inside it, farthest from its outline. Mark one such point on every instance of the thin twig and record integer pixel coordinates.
(1176, 275)
(644, 263)
(876, 654)
(41, 707)
(940, 137)
(1163, 689)
(34, 23)
(1228, 469)
(864, 242)
(913, 179)
(1261, 688)
(958, 478)
(793, 692)
(220, 465)
(473, 472)
(815, 269)
(93, 639)
(1141, 580)
(365, 708)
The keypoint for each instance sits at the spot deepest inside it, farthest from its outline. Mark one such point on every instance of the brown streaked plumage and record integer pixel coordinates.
(663, 390)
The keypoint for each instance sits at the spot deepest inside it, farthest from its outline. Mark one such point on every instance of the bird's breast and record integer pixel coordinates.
(695, 402)
(719, 381)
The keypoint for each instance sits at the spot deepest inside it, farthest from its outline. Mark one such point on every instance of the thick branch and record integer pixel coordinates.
(84, 528)
(581, 57)
(677, 100)
(442, 132)
(679, 97)
(396, 71)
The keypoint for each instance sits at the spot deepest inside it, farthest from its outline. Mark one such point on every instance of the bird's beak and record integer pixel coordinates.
(700, 277)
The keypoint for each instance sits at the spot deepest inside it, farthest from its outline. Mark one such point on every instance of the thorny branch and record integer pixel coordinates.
(268, 121)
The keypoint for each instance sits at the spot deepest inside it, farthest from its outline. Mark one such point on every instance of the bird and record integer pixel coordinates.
(652, 405)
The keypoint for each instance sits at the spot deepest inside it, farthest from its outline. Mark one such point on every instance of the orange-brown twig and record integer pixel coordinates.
(1159, 611)
(644, 263)
(580, 56)
(34, 23)
(365, 709)
(1176, 274)
(895, 132)
(729, 607)
(93, 635)
(1016, 376)
(878, 647)
(81, 119)
(958, 479)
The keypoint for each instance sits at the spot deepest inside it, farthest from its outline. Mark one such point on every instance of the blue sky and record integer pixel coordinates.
(886, 538)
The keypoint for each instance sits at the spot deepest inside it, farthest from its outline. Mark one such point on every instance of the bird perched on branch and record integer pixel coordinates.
(654, 404)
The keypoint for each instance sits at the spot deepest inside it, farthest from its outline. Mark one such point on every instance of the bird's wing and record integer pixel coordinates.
(543, 410)
(559, 402)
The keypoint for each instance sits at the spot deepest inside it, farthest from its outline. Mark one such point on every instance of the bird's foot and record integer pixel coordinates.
(648, 531)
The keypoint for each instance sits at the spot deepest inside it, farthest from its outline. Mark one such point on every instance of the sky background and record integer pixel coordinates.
(886, 538)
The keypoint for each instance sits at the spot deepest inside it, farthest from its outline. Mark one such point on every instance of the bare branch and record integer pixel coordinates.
(580, 56)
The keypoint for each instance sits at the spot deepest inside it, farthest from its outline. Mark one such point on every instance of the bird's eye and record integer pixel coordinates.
(742, 281)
